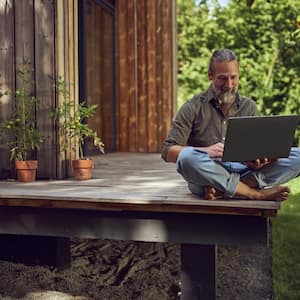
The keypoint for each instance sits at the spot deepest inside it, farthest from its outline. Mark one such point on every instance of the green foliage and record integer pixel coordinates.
(71, 120)
(266, 38)
(23, 136)
(193, 28)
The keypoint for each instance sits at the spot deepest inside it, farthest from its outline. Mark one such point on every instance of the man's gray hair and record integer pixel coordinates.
(220, 56)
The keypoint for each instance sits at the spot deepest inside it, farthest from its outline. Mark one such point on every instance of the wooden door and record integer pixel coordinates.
(97, 67)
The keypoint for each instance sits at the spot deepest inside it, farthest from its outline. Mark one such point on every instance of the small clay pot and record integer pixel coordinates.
(83, 168)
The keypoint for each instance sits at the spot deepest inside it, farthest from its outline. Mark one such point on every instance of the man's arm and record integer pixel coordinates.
(173, 153)
(213, 151)
(179, 133)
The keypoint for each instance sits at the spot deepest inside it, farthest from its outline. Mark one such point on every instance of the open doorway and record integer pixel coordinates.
(97, 67)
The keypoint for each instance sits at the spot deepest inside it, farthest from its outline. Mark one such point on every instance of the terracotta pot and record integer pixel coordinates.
(26, 170)
(82, 168)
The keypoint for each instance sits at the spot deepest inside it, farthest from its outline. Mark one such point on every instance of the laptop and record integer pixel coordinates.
(249, 138)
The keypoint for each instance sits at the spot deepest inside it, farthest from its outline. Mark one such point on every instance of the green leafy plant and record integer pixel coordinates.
(23, 135)
(71, 119)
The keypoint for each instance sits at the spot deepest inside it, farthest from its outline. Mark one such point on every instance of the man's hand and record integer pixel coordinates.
(259, 163)
(214, 151)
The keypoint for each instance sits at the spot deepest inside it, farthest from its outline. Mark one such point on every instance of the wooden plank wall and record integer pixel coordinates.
(66, 38)
(106, 107)
(44, 42)
(27, 34)
(46, 34)
(145, 73)
(99, 62)
(7, 75)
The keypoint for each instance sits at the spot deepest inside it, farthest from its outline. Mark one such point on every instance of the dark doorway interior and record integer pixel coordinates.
(97, 67)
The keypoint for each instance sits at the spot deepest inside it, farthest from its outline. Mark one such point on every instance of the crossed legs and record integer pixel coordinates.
(213, 179)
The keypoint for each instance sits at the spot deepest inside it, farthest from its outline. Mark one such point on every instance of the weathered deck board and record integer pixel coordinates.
(138, 197)
(131, 182)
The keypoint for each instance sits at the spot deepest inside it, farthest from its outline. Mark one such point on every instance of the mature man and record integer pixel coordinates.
(196, 142)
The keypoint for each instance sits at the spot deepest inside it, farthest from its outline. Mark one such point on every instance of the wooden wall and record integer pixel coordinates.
(146, 73)
(100, 70)
(27, 33)
(46, 33)
(7, 76)
(66, 62)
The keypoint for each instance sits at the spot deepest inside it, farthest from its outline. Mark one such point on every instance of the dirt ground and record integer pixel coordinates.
(113, 270)
(100, 269)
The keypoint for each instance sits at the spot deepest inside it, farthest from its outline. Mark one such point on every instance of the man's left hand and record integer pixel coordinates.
(259, 163)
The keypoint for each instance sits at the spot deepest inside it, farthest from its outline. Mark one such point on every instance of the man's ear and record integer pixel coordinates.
(210, 76)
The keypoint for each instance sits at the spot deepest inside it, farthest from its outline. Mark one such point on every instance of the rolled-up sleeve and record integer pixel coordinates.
(181, 129)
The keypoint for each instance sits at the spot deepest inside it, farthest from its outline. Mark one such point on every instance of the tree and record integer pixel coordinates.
(265, 36)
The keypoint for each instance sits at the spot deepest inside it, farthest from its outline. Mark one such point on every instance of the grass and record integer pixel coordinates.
(286, 247)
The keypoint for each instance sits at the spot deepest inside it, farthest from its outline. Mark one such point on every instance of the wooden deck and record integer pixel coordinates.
(127, 182)
(136, 197)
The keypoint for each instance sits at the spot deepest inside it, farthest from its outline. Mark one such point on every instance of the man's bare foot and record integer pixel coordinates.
(277, 193)
(211, 193)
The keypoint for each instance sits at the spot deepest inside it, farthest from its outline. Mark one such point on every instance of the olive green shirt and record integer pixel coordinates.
(201, 123)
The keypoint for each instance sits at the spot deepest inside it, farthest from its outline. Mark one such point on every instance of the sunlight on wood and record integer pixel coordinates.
(156, 230)
(4, 6)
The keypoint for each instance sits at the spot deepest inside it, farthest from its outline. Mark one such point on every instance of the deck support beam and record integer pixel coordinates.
(197, 234)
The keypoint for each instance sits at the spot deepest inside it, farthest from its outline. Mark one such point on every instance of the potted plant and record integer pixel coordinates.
(23, 136)
(71, 119)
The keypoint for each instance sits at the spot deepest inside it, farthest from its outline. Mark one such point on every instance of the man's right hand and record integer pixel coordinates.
(214, 151)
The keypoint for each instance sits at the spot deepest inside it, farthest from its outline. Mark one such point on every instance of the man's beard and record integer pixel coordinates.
(226, 97)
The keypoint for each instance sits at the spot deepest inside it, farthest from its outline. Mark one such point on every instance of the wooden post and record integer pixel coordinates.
(198, 277)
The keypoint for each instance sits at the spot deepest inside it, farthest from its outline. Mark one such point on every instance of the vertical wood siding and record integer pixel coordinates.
(145, 73)
(44, 70)
(122, 72)
(46, 33)
(27, 34)
(99, 71)
(66, 38)
(106, 107)
(7, 75)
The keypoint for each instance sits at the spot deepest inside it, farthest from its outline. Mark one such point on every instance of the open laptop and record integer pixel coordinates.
(249, 138)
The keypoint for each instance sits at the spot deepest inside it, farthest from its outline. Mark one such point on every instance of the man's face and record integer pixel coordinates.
(225, 79)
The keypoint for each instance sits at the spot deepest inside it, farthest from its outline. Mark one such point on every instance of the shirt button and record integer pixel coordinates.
(224, 122)
(223, 138)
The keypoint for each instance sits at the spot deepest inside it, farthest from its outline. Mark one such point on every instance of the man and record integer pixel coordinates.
(196, 142)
